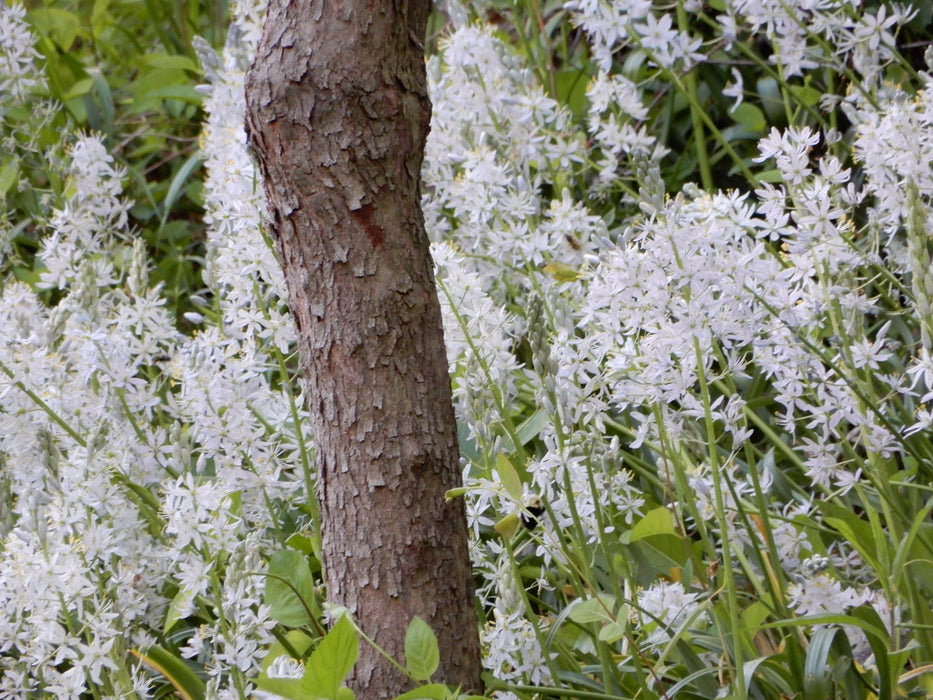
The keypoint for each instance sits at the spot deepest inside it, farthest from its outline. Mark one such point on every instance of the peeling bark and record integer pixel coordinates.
(337, 116)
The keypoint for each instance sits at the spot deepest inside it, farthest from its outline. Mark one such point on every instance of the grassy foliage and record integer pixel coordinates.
(128, 71)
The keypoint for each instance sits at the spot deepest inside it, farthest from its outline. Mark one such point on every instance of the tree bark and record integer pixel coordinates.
(337, 116)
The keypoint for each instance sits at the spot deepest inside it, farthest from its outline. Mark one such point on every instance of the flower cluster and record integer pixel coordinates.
(142, 466)
(19, 75)
(702, 320)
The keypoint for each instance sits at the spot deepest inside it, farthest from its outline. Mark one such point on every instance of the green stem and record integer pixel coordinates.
(696, 111)
(731, 590)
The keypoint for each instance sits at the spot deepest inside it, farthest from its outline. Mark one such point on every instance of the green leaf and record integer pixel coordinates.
(507, 526)
(290, 589)
(432, 691)
(146, 501)
(571, 87)
(303, 543)
(60, 26)
(562, 272)
(751, 620)
(163, 60)
(806, 95)
(422, 656)
(749, 116)
(816, 677)
(99, 103)
(879, 641)
(456, 493)
(914, 556)
(178, 183)
(532, 427)
(772, 175)
(9, 175)
(174, 613)
(858, 532)
(78, 88)
(754, 615)
(184, 93)
(185, 681)
(290, 688)
(612, 632)
(509, 476)
(770, 94)
(659, 521)
(598, 609)
(100, 18)
(297, 640)
(330, 664)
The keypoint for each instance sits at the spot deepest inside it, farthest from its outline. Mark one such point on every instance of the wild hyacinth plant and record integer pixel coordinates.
(147, 474)
(722, 394)
(683, 254)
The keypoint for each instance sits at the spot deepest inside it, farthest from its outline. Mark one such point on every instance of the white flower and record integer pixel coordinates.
(736, 89)
(664, 608)
(513, 652)
(285, 667)
(90, 222)
(19, 74)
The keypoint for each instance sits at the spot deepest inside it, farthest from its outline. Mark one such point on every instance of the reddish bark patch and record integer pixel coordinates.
(375, 232)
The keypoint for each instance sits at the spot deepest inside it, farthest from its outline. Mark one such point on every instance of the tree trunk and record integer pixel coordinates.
(337, 116)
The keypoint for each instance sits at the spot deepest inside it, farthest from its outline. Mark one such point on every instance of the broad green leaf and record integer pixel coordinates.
(290, 688)
(509, 476)
(754, 615)
(571, 87)
(184, 93)
(659, 555)
(290, 589)
(330, 664)
(770, 94)
(772, 175)
(298, 640)
(432, 691)
(456, 493)
(612, 632)
(303, 543)
(100, 18)
(99, 103)
(9, 175)
(806, 95)
(79, 88)
(507, 526)
(59, 25)
(598, 609)
(422, 656)
(659, 521)
(751, 620)
(749, 116)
